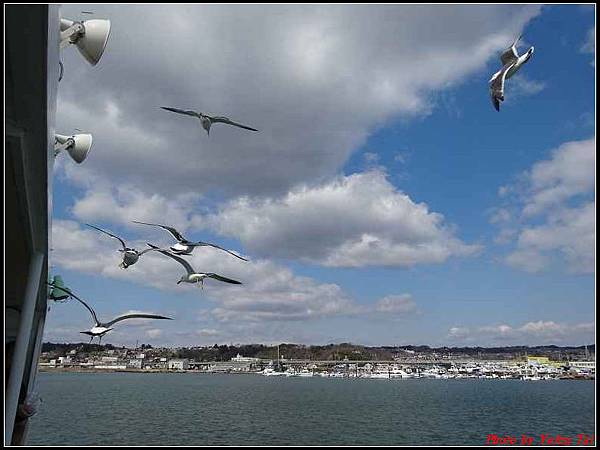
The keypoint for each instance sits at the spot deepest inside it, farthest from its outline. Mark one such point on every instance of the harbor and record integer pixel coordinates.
(528, 368)
(504, 370)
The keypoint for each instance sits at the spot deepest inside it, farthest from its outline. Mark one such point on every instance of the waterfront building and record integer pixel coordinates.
(247, 359)
(583, 367)
(51, 363)
(64, 360)
(135, 363)
(109, 359)
(178, 364)
(583, 364)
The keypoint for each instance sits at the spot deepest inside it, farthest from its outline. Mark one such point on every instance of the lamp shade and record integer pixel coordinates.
(81, 147)
(91, 45)
(57, 293)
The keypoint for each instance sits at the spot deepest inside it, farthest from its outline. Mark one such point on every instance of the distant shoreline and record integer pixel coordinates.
(133, 370)
(201, 372)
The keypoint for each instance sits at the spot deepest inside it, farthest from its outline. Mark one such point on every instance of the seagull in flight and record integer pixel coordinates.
(192, 276)
(207, 120)
(101, 328)
(511, 62)
(130, 255)
(183, 246)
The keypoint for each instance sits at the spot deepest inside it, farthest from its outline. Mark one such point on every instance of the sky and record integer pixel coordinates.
(383, 202)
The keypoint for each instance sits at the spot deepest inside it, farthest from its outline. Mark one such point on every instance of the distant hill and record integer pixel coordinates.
(322, 352)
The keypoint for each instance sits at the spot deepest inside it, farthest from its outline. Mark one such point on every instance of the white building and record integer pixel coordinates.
(586, 365)
(179, 364)
(247, 359)
(64, 360)
(111, 367)
(136, 363)
(109, 359)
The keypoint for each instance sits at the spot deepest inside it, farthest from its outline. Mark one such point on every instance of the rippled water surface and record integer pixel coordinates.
(204, 409)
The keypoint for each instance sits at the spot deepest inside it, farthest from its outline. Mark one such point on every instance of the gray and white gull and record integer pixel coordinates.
(207, 120)
(511, 63)
(184, 246)
(101, 328)
(193, 276)
(130, 255)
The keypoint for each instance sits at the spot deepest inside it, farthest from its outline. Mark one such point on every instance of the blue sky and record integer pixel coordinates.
(478, 220)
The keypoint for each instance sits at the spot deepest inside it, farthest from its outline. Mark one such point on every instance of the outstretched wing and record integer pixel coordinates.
(497, 86)
(208, 244)
(510, 55)
(190, 270)
(176, 234)
(88, 307)
(68, 291)
(148, 250)
(187, 112)
(135, 316)
(228, 121)
(224, 279)
(110, 234)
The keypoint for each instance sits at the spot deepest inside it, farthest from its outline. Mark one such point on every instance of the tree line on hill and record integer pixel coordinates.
(331, 352)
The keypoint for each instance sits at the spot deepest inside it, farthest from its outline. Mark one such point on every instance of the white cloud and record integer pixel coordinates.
(590, 44)
(396, 304)
(154, 333)
(352, 221)
(531, 333)
(572, 232)
(315, 79)
(458, 333)
(500, 215)
(402, 157)
(371, 158)
(570, 172)
(523, 86)
(123, 204)
(269, 292)
(557, 212)
(208, 332)
(529, 260)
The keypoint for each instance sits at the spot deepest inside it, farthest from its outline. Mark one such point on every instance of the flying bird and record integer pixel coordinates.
(192, 276)
(130, 255)
(101, 328)
(511, 62)
(207, 120)
(184, 246)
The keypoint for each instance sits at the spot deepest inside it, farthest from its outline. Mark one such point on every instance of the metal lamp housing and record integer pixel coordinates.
(81, 147)
(93, 41)
(78, 145)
